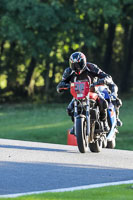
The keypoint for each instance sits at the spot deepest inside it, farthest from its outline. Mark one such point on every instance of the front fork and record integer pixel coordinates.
(87, 116)
(75, 114)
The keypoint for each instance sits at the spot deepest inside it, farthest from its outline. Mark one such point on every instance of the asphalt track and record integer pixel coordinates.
(30, 166)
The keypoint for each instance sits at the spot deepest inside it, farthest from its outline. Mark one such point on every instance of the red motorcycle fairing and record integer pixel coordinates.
(93, 95)
(80, 90)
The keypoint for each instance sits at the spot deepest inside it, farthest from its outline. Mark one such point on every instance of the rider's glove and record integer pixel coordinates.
(58, 90)
(62, 86)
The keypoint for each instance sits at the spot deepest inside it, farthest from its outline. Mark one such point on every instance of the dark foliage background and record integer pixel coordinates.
(38, 36)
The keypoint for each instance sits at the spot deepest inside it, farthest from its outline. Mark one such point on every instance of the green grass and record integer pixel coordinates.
(44, 123)
(120, 192)
(49, 123)
(125, 137)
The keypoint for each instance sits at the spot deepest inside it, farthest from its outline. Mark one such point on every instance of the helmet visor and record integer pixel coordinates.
(77, 67)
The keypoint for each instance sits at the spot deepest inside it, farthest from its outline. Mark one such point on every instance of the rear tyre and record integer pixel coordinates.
(111, 144)
(96, 146)
(82, 138)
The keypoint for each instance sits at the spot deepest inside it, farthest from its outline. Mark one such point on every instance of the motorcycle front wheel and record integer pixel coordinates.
(82, 138)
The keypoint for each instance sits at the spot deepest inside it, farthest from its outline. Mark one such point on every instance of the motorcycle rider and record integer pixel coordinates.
(83, 70)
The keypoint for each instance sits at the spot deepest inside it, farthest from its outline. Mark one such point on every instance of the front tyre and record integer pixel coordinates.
(82, 138)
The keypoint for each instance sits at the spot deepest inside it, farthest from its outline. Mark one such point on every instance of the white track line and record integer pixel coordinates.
(68, 189)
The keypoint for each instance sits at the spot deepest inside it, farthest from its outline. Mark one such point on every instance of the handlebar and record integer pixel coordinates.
(65, 87)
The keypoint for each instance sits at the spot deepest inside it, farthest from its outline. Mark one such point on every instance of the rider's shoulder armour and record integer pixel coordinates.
(93, 68)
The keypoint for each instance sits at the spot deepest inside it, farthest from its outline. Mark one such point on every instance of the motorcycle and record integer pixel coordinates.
(88, 127)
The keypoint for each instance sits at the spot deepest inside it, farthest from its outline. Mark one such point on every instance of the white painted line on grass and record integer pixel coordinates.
(85, 187)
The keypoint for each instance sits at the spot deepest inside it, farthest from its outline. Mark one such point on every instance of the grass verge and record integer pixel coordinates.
(120, 192)
(42, 123)
(125, 137)
(49, 123)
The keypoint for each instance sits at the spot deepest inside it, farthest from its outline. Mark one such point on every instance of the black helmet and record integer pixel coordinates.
(77, 62)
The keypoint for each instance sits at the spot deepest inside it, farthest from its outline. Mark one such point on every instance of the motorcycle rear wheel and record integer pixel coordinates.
(111, 144)
(82, 138)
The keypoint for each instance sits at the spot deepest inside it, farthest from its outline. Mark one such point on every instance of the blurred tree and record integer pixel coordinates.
(38, 36)
(127, 58)
(27, 24)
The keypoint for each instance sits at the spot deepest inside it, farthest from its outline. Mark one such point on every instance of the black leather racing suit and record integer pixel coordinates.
(91, 72)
